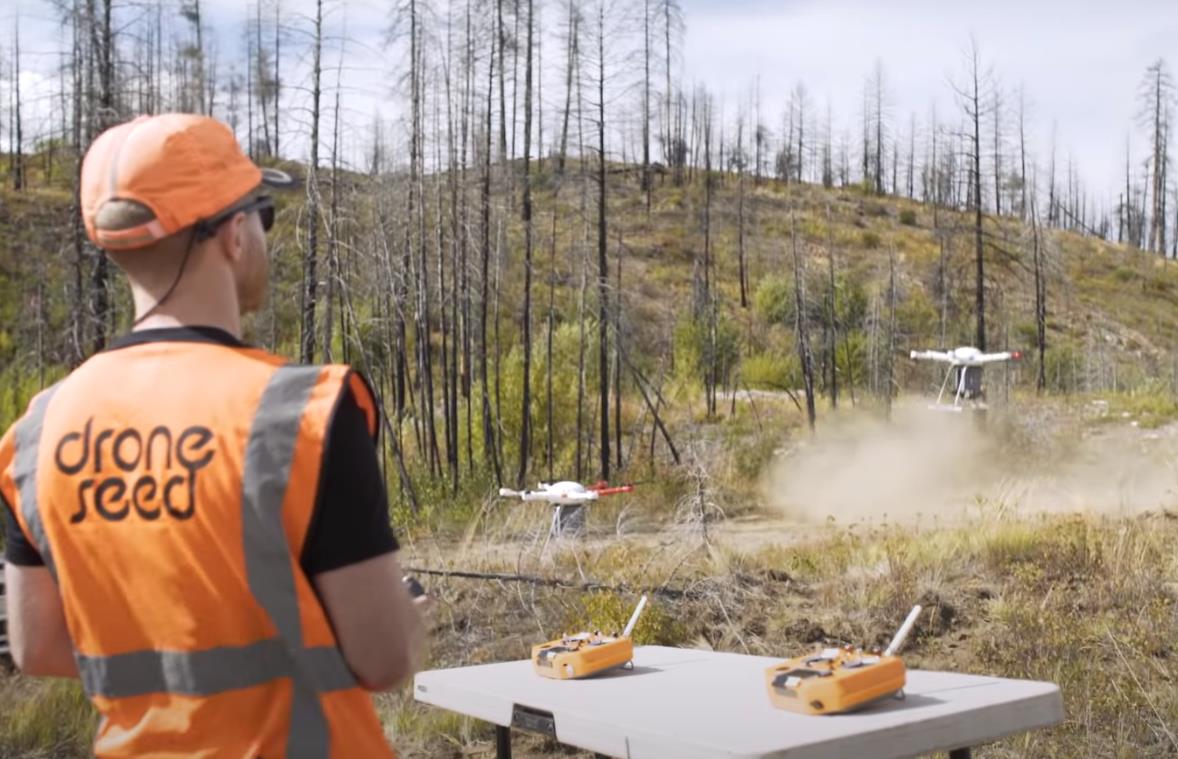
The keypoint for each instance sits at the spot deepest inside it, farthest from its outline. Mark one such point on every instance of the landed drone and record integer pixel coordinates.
(965, 369)
(561, 494)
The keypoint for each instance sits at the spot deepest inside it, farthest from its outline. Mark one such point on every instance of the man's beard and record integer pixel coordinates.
(251, 293)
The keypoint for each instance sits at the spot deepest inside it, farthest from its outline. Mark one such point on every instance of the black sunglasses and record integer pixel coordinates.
(263, 204)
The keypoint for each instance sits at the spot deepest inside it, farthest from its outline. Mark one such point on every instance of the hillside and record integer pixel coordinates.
(1112, 325)
(1111, 321)
(1080, 597)
(1110, 317)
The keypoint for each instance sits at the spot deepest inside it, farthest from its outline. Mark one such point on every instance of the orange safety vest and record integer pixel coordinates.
(169, 488)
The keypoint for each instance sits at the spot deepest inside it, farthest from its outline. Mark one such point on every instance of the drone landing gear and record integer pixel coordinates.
(554, 530)
(567, 521)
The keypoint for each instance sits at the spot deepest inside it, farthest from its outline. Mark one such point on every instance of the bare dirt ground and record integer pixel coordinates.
(1051, 530)
(922, 470)
(532, 548)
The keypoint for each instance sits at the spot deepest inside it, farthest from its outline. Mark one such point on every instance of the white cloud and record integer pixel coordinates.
(1080, 61)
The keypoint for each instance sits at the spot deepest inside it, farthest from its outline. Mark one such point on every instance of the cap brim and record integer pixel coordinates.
(277, 179)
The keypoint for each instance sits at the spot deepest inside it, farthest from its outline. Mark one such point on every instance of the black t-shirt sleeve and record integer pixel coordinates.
(350, 522)
(17, 549)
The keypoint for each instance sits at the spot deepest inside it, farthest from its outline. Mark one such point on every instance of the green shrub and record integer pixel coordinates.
(1026, 333)
(608, 612)
(40, 715)
(774, 300)
(1063, 367)
(851, 358)
(694, 344)
(1150, 405)
(1158, 284)
(772, 370)
(917, 315)
(870, 240)
(908, 217)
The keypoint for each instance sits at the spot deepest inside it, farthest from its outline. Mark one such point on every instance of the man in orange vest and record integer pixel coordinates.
(197, 529)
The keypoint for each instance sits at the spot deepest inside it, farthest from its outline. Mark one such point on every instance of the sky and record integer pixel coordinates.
(1079, 62)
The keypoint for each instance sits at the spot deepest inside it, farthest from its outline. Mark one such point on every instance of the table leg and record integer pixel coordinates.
(960, 753)
(502, 742)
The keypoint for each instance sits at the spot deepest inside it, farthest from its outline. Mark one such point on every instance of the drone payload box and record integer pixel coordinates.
(585, 654)
(839, 680)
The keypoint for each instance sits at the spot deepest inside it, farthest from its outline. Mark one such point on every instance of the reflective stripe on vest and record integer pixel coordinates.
(24, 472)
(268, 457)
(312, 670)
(211, 671)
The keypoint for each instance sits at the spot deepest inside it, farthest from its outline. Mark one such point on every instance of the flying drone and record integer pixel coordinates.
(564, 493)
(965, 369)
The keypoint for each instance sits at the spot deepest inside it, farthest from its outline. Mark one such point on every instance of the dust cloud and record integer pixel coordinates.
(941, 467)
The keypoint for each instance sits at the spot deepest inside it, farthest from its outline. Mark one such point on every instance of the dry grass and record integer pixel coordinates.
(1085, 602)
(46, 718)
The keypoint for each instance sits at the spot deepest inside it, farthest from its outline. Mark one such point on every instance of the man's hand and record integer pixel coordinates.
(37, 630)
(379, 627)
(421, 599)
(413, 586)
(425, 606)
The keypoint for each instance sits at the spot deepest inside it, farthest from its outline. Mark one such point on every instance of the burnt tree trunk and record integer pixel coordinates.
(802, 327)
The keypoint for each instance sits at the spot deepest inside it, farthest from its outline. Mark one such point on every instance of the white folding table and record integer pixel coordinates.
(690, 704)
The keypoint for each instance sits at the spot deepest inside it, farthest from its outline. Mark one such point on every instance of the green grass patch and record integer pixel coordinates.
(44, 718)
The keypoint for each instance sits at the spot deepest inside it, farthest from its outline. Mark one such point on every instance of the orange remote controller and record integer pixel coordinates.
(585, 654)
(839, 680)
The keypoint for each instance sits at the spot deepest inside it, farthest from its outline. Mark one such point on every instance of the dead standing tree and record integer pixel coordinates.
(879, 112)
(101, 109)
(490, 445)
(1040, 300)
(526, 321)
(1022, 152)
(670, 17)
(646, 54)
(890, 358)
(832, 316)
(572, 38)
(802, 325)
(741, 168)
(335, 281)
(311, 253)
(976, 101)
(602, 241)
(1156, 99)
(999, 137)
(706, 304)
(16, 158)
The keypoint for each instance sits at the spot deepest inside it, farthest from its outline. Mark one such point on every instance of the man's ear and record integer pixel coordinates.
(231, 237)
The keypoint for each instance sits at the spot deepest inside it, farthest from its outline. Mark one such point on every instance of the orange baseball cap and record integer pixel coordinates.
(182, 167)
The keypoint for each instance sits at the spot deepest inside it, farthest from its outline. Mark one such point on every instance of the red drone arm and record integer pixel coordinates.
(603, 488)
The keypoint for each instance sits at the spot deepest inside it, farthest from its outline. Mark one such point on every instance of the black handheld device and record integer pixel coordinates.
(415, 588)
